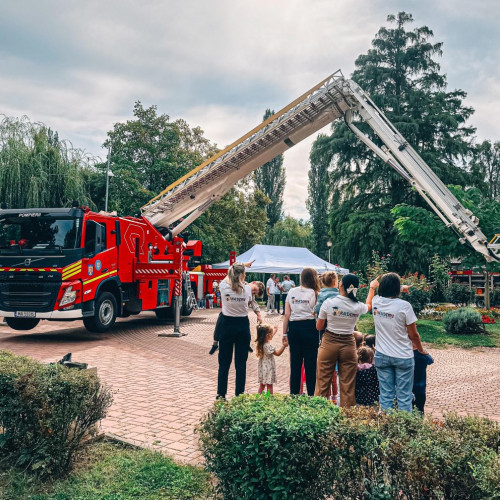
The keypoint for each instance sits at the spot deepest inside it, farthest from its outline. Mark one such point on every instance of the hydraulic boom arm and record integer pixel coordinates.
(333, 98)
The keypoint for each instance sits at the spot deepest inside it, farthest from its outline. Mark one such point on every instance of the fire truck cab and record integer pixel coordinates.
(72, 263)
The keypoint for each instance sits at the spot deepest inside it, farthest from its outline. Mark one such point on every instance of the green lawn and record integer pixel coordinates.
(433, 332)
(106, 471)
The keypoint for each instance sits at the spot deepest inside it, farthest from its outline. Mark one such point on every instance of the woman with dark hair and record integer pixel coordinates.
(339, 345)
(396, 332)
(299, 330)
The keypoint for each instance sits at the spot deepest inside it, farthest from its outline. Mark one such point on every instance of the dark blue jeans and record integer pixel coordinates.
(395, 377)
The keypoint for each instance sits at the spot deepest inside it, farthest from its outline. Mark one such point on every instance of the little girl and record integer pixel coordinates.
(367, 389)
(265, 352)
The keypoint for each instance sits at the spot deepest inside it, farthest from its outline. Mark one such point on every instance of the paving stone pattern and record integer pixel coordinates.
(163, 385)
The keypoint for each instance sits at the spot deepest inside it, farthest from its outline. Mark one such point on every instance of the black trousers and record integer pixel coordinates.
(217, 327)
(283, 300)
(303, 339)
(277, 301)
(234, 335)
(420, 384)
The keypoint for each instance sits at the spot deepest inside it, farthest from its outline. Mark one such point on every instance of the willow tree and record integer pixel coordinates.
(37, 169)
(401, 74)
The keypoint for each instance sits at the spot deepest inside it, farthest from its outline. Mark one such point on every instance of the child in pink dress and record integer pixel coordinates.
(265, 351)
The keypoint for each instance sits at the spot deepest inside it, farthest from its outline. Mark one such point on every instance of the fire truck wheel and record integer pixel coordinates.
(186, 309)
(22, 323)
(105, 314)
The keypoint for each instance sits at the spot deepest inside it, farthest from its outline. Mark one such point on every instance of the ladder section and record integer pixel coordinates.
(197, 190)
(408, 163)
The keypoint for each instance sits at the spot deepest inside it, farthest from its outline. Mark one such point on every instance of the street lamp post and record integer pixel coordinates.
(108, 175)
(329, 245)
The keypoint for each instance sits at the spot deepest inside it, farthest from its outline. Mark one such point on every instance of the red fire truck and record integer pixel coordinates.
(73, 263)
(66, 264)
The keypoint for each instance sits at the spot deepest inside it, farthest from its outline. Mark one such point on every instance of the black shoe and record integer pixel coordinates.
(213, 348)
(220, 398)
(250, 349)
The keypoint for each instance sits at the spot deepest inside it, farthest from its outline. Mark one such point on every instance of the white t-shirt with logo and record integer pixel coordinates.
(341, 314)
(302, 302)
(271, 286)
(391, 316)
(235, 304)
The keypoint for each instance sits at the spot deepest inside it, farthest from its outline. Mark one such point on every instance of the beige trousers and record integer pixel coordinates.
(342, 349)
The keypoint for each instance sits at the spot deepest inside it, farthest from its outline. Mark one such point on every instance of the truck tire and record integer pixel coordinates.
(105, 314)
(185, 309)
(22, 323)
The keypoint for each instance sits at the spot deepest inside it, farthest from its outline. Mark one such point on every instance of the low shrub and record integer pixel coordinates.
(400, 455)
(46, 412)
(463, 321)
(275, 448)
(418, 298)
(362, 293)
(269, 447)
(459, 294)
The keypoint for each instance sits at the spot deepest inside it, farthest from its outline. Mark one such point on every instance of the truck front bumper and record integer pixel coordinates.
(54, 315)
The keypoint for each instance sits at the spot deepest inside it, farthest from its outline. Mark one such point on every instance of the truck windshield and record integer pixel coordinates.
(38, 234)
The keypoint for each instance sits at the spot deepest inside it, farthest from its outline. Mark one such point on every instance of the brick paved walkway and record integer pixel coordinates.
(162, 385)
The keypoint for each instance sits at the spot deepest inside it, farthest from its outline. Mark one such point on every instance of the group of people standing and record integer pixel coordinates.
(277, 292)
(319, 327)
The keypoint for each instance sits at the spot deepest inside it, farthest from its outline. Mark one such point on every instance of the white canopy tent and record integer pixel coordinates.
(282, 260)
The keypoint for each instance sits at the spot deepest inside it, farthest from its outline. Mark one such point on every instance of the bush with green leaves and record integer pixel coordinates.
(46, 411)
(464, 320)
(417, 298)
(400, 455)
(269, 447)
(296, 447)
(458, 294)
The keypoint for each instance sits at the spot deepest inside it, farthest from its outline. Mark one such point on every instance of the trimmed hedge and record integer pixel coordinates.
(46, 412)
(297, 447)
(269, 447)
(463, 321)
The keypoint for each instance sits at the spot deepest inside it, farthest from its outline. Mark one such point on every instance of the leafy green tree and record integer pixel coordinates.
(418, 224)
(318, 199)
(290, 232)
(402, 76)
(271, 180)
(148, 153)
(485, 167)
(37, 169)
(236, 222)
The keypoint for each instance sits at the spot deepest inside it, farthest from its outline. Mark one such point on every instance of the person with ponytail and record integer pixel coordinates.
(339, 345)
(299, 330)
(234, 328)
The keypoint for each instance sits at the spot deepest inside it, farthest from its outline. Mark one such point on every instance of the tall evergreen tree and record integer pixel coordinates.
(485, 167)
(402, 77)
(271, 179)
(318, 200)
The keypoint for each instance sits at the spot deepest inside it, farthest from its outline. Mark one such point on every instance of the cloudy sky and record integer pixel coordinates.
(79, 66)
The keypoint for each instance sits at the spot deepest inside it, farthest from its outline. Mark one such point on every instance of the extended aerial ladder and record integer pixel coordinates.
(333, 98)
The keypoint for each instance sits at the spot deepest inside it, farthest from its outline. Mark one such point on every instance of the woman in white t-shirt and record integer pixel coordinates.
(233, 328)
(338, 345)
(299, 330)
(396, 332)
